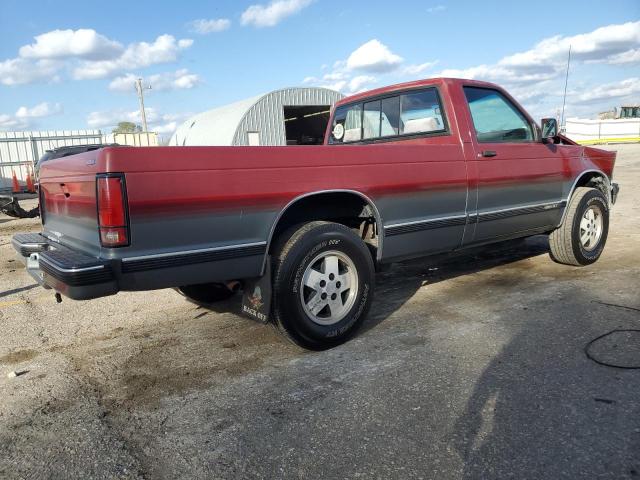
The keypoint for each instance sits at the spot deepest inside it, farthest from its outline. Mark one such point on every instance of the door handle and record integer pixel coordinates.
(489, 153)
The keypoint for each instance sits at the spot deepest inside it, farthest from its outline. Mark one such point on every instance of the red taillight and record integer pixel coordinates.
(110, 202)
(112, 215)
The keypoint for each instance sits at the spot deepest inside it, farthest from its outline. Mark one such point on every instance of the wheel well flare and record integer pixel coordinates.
(349, 208)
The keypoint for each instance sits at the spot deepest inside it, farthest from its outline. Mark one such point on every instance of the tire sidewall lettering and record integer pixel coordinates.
(354, 317)
(297, 278)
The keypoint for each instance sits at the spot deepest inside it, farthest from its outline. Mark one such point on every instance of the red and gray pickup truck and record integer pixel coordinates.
(405, 171)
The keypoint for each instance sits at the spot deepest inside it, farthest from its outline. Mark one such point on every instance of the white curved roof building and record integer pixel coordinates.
(291, 116)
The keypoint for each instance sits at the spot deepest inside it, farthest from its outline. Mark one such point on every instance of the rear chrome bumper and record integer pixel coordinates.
(71, 273)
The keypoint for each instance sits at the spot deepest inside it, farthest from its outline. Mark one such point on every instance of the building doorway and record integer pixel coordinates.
(305, 125)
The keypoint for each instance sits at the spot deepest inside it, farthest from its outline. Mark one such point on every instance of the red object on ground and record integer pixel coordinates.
(30, 186)
(16, 185)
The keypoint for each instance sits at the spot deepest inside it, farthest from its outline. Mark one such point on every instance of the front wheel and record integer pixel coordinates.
(323, 284)
(581, 237)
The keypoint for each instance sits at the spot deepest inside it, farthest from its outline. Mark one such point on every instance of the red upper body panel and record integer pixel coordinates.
(187, 180)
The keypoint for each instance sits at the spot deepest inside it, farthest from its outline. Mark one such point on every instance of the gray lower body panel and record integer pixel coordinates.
(80, 276)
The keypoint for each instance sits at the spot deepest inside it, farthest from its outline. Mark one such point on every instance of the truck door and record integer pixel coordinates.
(519, 179)
(425, 202)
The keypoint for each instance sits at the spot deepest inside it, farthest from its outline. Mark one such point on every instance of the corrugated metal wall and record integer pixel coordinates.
(19, 150)
(267, 117)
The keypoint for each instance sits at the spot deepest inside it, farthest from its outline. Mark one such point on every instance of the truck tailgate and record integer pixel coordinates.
(68, 201)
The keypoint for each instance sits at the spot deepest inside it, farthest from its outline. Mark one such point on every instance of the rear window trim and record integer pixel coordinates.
(395, 138)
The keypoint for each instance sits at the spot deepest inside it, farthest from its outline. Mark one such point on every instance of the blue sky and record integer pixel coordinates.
(71, 64)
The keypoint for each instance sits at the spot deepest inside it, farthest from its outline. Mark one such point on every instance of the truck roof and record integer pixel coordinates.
(413, 84)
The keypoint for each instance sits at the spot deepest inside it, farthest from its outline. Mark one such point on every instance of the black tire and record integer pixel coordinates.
(564, 242)
(293, 254)
(206, 293)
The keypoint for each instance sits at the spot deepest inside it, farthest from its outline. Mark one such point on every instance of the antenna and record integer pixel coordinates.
(566, 81)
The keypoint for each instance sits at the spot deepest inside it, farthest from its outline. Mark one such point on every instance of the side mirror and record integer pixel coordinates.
(549, 128)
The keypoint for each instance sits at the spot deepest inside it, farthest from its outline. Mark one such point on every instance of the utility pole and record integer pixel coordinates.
(566, 81)
(143, 114)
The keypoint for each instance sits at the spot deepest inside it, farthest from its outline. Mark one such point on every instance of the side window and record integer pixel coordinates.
(420, 113)
(390, 117)
(381, 118)
(371, 120)
(347, 125)
(495, 118)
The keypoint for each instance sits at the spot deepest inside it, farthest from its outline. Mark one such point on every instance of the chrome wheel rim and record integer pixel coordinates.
(328, 288)
(591, 228)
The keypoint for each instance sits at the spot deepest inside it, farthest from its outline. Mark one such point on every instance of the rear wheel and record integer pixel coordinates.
(323, 284)
(581, 237)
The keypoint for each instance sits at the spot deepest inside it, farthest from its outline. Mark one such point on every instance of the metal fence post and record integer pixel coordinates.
(34, 150)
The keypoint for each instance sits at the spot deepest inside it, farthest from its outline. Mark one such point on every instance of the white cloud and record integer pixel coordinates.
(612, 44)
(373, 56)
(88, 53)
(273, 13)
(609, 91)
(601, 45)
(111, 118)
(630, 56)
(43, 109)
(353, 74)
(357, 84)
(166, 129)
(339, 86)
(536, 76)
(18, 71)
(125, 83)
(182, 80)
(436, 9)
(164, 49)
(417, 69)
(504, 75)
(82, 43)
(178, 80)
(25, 116)
(205, 26)
(333, 76)
(342, 82)
(164, 124)
(9, 122)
